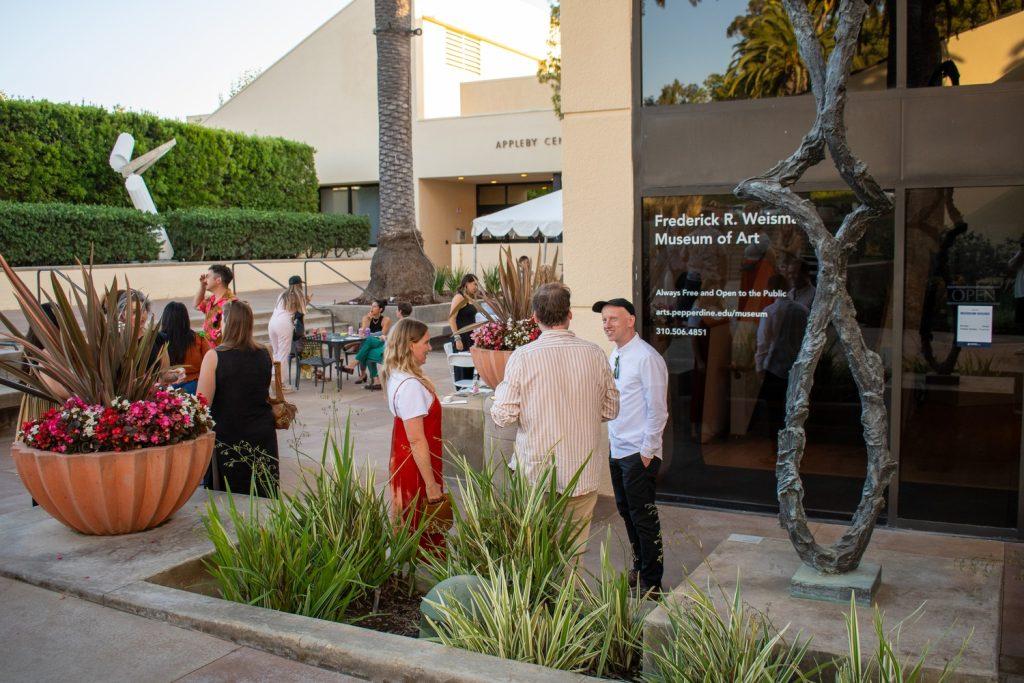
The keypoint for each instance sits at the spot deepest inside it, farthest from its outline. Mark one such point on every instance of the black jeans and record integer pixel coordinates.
(634, 496)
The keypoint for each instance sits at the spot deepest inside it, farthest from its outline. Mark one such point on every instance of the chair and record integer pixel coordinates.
(313, 356)
(458, 361)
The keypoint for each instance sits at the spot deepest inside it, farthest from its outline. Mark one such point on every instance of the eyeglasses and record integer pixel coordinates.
(615, 373)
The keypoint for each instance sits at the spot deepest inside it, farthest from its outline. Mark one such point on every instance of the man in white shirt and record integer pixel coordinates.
(635, 437)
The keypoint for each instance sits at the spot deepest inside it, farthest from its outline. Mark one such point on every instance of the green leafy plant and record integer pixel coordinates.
(523, 615)
(885, 663)
(58, 153)
(230, 234)
(740, 645)
(491, 279)
(442, 276)
(497, 523)
(63, 234)
(320, 552)
(454, 277)
(92, 351)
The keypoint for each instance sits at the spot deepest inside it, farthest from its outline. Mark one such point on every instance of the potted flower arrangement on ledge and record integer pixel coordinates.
(509, 318)
(112, 452)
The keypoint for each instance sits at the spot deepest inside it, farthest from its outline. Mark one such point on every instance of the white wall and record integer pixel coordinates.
(324, 93)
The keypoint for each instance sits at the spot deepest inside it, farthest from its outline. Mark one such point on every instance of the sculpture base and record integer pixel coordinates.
(862, 582)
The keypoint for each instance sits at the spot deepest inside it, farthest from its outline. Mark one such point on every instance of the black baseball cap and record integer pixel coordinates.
(295, 280)
(621, 303)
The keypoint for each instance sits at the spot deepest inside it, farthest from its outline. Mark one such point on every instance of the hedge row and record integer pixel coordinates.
(230, 234)
(59, 153)
(58, 234)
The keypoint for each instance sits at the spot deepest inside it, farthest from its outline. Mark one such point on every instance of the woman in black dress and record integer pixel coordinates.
(235, 379)
(461, 315)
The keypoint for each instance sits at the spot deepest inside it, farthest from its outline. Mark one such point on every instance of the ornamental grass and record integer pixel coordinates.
(322, 552)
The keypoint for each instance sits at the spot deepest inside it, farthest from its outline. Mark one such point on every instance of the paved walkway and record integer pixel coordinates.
(54, 635)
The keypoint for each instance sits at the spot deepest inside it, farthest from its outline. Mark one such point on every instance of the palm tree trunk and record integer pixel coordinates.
(399, 267)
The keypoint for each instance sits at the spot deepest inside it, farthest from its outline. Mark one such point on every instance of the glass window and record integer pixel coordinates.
(355, 199)
(744, 49)
(963, 358)
(964, 43)
(727, 287)
(366, 201)
(490, 195)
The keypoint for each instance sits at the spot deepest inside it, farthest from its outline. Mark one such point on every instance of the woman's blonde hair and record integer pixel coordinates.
(294, 298)
(398, 352)
(236, 327)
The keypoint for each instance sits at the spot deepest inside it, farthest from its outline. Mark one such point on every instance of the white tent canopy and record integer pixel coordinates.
(540, 216)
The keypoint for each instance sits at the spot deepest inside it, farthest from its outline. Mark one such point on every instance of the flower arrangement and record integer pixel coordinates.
(168, 416)
(497, 336)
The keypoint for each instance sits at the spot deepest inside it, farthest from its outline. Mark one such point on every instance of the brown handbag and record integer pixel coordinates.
(439, 515)
(284, 412)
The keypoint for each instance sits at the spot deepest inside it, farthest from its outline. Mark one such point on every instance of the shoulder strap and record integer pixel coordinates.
(394, 411)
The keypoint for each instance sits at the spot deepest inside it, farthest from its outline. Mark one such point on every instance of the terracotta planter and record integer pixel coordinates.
(114, 492)
(490, 364)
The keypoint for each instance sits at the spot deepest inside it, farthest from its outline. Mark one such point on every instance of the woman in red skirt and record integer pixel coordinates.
(416, 436)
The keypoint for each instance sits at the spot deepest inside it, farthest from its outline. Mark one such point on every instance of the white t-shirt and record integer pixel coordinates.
(407, 397)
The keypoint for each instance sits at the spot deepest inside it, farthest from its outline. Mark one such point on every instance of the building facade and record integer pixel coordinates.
(676, 104)
(484, 133)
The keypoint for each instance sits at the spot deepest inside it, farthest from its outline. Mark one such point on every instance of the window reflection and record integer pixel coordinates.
(742, 49)
(965, 42)
(729, 319)
(963, 380)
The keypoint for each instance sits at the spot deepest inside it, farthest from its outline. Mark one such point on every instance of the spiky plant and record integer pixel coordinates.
(511, 299)
(92, 351)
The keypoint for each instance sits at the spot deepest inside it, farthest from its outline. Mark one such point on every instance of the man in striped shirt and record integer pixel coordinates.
(559, 389)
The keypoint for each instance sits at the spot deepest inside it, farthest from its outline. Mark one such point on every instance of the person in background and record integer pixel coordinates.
(184, 347)
(558, 389)
(235, 379)
(415, 464)
(216, 280)
(641, 377)
(524, 265)
(378, 324)
(132, 302)
(801, 288)
(461, 314)
(371, 353)
(288, 316)
(779, 336)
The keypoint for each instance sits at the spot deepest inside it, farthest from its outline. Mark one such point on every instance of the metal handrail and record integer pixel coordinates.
(58, 271)
(273, 279)
(328, 266)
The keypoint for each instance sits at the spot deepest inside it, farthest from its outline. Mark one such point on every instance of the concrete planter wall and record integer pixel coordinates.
(114, 492)
(490, 364)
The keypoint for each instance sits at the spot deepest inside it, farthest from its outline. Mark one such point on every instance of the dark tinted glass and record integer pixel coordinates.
(963, 357)
(965, 42)
(742, 49)
(729, 319)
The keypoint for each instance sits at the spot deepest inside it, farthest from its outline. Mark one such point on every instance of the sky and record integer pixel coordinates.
(686, 42)
(168, 57)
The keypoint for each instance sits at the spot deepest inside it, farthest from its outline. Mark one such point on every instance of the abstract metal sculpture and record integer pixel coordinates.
(832, 303)
(132, 170)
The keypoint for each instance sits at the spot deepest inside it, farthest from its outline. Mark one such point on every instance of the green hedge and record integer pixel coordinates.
(58, 234)
(58, 153)
(230, 234)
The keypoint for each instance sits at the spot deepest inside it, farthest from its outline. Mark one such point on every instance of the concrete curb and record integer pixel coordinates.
(341, 647)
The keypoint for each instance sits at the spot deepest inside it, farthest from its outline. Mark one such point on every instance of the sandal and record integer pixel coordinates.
(360, 380)
(347, 370)
(373, 387)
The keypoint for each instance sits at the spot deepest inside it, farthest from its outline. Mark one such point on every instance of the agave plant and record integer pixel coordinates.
(91, 351)
(511, 299)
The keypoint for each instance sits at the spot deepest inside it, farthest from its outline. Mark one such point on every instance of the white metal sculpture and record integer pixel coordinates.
(132, 170)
